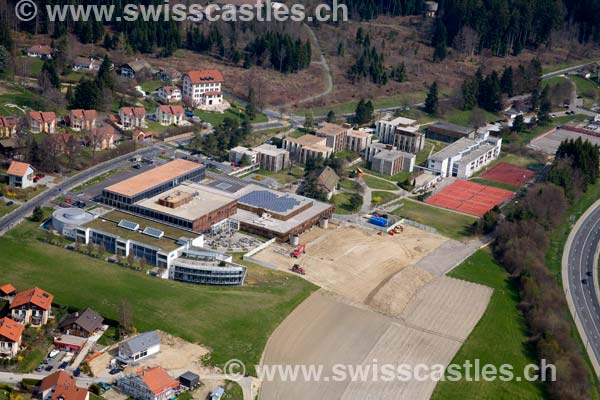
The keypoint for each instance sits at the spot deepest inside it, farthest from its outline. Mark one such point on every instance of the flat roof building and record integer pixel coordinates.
(385, 129)
(392, 162)
(465, 156)
(447, 132)
(336, 135)
(306, 147)
(358, 140)
(272, 158)
(150, 183)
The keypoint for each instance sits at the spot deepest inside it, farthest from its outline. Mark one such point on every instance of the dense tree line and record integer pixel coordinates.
(227, 135)
(522, 240)
(369, 63)
(279, 51)
(503, 26)
(486, 92)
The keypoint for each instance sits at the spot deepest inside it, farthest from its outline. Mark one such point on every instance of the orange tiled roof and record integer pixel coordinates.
(134, 111)
(40, 49)
(36, 296)
(10, 329)
(64, 387)
(7, 289)
(43, 116)
(172, 110)
(206, 76)
(86, 115)
(8, 122)
(158, 380)
(18, 168)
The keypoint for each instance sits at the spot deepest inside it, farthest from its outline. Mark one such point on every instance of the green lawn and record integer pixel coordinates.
(586, 88)
(151, 86)
(451, 224)
(233, 322)
(4, 209)
(495, 184)
(19, 96)
(384, 197)
(499, 337)
(376, 183)
(235, 112)
(341, 201)
(349, 185)
(259, 137)
(463, 118)
(547, 69)
(283, 177)
(423, 155)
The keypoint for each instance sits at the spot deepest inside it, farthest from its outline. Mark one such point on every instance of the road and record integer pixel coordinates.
(567, 70)
(26, 209)
(579, 265)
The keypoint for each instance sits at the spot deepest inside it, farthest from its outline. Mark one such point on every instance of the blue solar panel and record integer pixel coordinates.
(155, 233)
(132, 226)
(270, 201)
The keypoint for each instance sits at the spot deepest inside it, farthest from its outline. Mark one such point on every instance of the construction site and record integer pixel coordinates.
(379, 300)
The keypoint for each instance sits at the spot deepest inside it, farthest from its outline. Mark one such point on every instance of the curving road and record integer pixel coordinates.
(579, 265)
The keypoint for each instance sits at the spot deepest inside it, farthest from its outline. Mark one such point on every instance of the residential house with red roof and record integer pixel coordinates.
(203, 88)
(8, 126)
(11, 333)
(61, 386)
(152, 384)
(169, 94)
(132, 117)
(7, 291)
(31, 306)
(20, 175)
(83, 119)
(170, 115)
(40, 51)
(42, 121)
(102, 138)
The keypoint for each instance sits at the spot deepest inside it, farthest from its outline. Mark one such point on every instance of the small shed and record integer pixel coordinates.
(217, 394)
(189, 379)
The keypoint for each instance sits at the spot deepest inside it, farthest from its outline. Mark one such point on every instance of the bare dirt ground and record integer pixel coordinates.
(376, 303)
(354, 262)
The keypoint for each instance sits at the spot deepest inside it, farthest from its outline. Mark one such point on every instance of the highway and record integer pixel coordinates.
(580, 280)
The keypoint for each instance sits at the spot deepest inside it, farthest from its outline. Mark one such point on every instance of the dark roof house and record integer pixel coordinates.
(82, 324)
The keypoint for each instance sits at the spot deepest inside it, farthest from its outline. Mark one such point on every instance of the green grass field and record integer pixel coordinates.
(423, 155)
(384, 197)
(233, 322)
(235, 112)
(448, 223)
(495, 184)
(376, 183)
(283, 177)
(341, 201)
(460, 117)
(151, 86)
(349, 185)
(526, 136)
(499, 338)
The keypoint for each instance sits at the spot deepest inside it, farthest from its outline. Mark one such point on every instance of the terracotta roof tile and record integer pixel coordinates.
(158, 381)
(18, 168)
(10, 329)
(35, 296)
(7, 289)
(206, 76)
(64, 386)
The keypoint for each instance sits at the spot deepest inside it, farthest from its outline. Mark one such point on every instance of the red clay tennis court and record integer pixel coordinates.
(509, 174)
(469, 197)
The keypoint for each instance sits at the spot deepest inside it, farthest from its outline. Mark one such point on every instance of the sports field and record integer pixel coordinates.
(469, 197)
(509, 174)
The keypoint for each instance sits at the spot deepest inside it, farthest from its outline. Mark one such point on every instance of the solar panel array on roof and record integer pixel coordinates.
(155, 233)
(269, 201)
(132, 226)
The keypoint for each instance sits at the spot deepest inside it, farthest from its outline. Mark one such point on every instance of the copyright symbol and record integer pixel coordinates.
(234, 370)
(26, 10)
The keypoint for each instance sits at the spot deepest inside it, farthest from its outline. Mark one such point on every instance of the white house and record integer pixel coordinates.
(42, 121)
(465, 156)
(83, 119)
(10, 337)
(139, 347)
(151, 384)
(132, 117)
(170, 115)
(203, 88)
(20, 175)
(40, 51)
(86, 64)
(169, 94)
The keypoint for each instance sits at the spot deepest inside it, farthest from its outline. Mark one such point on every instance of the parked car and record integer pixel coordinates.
(137, 166)
(77, 372)
(49, 368)
(82, 204)
(63, 365)
(114, 371)
(10, 203)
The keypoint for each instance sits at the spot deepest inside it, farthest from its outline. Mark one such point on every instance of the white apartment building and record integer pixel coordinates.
(386, 129)
(203, 88)
(170, 115)
(465, 156)
(358, 140)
